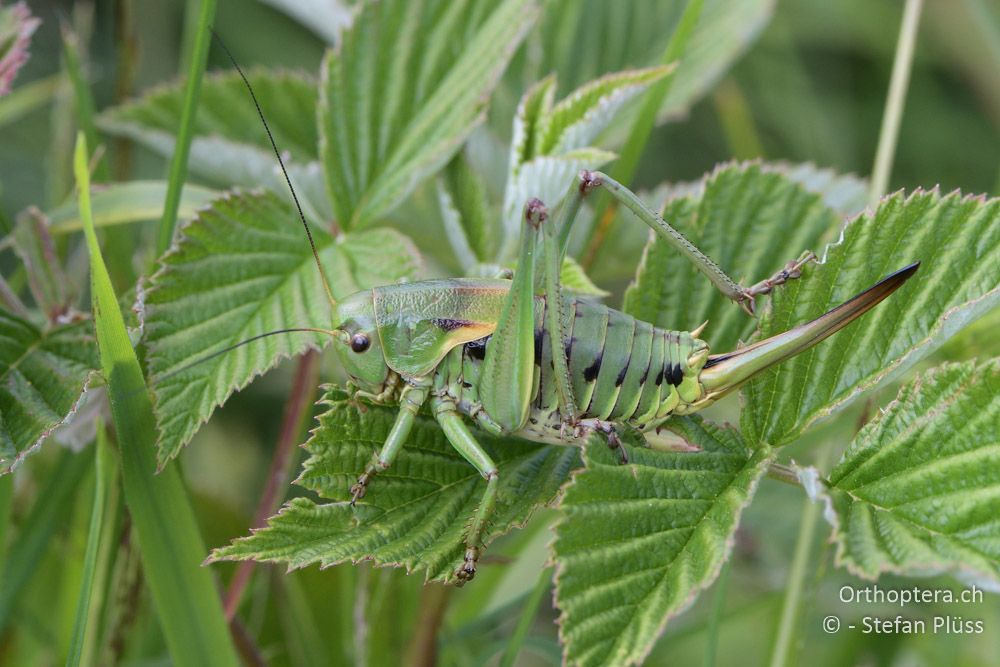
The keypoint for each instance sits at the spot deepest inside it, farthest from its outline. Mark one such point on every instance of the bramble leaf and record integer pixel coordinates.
(957, 240)
(574, 279)
(916, 491)
(750, 219)
(43, 375)
(467, 215)
(230, 146)
(551, 140)
(640, 541)
(132, 201)
(242, 268)
(577, 120)
(584, 39)
(326, 18)
(414, 513)
(390, 117)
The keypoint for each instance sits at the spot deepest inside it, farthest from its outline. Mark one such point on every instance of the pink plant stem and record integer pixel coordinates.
(301, 397)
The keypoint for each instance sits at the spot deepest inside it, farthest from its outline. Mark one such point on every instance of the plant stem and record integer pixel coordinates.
(296, 409)
(433, 604)
(889, 134)
(251, 655)
(182, 148)
(797, 575)
(128, 64)
(528, 614)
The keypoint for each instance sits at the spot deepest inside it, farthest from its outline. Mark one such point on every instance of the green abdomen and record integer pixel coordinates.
(622, 369)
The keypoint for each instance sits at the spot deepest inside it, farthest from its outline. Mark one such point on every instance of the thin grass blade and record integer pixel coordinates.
(178, 165)
(46, 516)
(104, 496)
(184, 593)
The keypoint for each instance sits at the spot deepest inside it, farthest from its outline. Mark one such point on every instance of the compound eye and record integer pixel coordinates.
(360, 342)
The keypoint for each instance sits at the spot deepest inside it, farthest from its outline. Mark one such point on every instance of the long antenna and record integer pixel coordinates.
(213, 355)
(277, 154)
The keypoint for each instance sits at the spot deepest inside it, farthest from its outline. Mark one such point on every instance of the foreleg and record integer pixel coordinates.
(410, 400)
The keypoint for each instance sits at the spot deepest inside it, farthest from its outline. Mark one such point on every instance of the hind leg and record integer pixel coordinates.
(587, 426)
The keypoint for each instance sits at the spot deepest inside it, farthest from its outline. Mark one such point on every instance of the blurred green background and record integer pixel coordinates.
(810, 88)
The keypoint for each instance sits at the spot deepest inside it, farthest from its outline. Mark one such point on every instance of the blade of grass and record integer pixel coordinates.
(6, 497)
(298, 624)
(527, 617)
(49, 513)
(104, 500)
(125, 203)
(901, 67)
(28, 98)
(624, 169)
(82, 98)
(120, 246)
(62, 602)
(715, 620)
(192, 91)
(107, 555)
(736, 119)
(184, 593)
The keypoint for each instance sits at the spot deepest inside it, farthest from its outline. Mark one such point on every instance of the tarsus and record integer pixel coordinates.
(277, 154)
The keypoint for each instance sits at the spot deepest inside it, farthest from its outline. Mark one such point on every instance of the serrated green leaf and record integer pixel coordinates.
(574, 279)
(584, 39)
(326, 18)
(133, 201)
(230, 146)
(547, 177)
(639, 541)
(16, 27)
(466, 213)
(577, 119)
(43, 374)
(550, 140)
(243, 267)
(957, 240)
(390, 117)
(226, 111)
(916, 491)
(529, 121)
(414, 513)
(46, 279)
(846, 194)
(749, 219)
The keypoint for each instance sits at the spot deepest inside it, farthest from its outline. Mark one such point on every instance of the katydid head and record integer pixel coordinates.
(359, 347)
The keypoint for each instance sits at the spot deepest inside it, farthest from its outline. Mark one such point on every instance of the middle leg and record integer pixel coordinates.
(462, 439)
